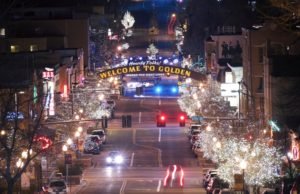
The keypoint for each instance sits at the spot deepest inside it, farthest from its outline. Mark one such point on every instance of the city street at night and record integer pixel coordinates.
(149, 96)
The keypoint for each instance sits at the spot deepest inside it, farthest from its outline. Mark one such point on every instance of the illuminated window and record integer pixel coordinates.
(2, 31)
(14, 48)
(33, 47)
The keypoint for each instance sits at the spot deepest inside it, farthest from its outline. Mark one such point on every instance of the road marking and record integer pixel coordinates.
(131, 162)
(159, 134)
(123, 187)
(159, 157)
(140, 117)
(133, 136)
(149, 147)
(159, 102)
(158, 186)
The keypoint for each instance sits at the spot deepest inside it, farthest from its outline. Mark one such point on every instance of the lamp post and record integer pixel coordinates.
(243, 166)
(65, 149)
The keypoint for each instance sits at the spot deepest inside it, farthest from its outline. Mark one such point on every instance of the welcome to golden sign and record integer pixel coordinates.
(140, 69)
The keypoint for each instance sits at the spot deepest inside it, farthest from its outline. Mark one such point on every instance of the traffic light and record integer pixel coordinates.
(161, 121)
(181, 120)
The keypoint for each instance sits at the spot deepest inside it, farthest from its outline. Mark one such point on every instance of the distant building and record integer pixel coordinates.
(47, 74)
(260, 45)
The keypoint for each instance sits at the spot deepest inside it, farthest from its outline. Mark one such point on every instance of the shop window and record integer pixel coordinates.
(2, 31)
(14, 48)
(33, 48)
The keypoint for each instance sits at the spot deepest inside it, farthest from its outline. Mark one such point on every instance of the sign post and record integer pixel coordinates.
(68, 160)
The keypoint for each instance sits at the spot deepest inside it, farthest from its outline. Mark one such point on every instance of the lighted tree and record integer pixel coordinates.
(284, 13)
(205, 100)
(22, 139)
(128, 22)
(152, 51)
(228, 151)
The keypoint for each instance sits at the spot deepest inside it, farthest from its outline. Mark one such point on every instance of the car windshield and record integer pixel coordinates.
(195, 127)
(57, 184)
(100, 133)
(113, 153)
(94, 139)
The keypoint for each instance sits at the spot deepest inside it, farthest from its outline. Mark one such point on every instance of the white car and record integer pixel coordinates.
(114, 157)
(101, 134)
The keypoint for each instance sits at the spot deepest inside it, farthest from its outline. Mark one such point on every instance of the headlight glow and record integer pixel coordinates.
(119, 159)
(109, 160)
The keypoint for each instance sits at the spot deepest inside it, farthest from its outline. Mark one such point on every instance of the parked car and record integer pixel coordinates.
(101, 134)
(192, 128)
(94, 138)
(226, 191)
(174, 176)
(267, 191)
(91, 148)
(56, 175)
(195, 137)
(209, 175)
(56, 186)
(216, 191)
(92, 144)
(213, 183)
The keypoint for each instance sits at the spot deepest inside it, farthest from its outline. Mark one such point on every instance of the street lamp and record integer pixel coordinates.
(69, 141)
(77, 117)
(243, 166)
(208, 128)
(79, 129)
(65, 149)
(2, 133)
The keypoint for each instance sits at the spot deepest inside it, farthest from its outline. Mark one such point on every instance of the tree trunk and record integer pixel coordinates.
(10, 187)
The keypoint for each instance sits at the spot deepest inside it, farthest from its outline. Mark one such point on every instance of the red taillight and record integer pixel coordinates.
(162, 118)
(174, 172)
(166, 177)
(182, 118)
(181, 178)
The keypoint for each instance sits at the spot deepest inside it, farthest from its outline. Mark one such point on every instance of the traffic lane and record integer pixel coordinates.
(146, 155)
(121, 172)
(170, 145)
(137, 180)
(95, 186)
(176, 148)
(138, 186)
(118, 139)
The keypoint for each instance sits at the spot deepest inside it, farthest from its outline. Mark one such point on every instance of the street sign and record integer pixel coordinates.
(68, 158)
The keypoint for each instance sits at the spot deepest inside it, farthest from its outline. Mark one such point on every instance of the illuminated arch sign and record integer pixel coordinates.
(144, 69)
